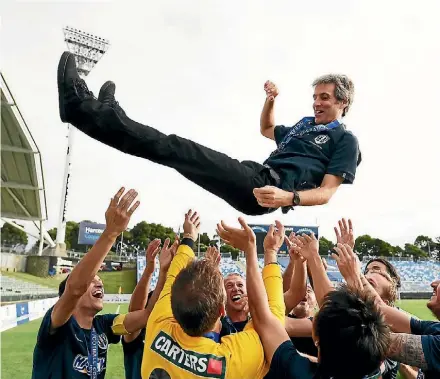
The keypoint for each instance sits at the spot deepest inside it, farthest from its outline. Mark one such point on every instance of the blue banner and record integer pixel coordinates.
(22, 310)
(89, 232)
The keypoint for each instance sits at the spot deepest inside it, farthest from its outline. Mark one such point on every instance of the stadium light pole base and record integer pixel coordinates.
(60, 250)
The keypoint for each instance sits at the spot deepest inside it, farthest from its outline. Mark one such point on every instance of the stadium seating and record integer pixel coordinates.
(416, 276)
(13, 289)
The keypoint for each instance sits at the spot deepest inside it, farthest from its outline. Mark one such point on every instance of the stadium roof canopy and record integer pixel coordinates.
(22, 184)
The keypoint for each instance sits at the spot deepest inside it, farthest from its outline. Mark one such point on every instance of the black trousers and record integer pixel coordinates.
(223, 176)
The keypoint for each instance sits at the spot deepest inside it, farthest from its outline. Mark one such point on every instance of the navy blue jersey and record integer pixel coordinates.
(133, 352)
(64, 353)
(430, 332)
(305, 159)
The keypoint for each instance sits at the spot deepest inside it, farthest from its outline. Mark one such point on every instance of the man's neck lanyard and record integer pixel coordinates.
(306, 125)
(92, 353)
(229, 321)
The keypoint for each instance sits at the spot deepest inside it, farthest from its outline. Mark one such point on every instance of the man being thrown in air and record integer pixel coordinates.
(313, 158)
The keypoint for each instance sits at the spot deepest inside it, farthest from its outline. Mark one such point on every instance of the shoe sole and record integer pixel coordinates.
(61, 84)
(103, 89)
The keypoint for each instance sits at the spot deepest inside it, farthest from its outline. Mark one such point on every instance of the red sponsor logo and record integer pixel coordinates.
(215, 367)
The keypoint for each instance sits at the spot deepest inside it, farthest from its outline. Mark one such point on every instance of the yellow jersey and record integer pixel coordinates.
(238, 356)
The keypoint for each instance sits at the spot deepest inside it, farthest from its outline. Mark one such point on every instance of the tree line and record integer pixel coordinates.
(136, 239)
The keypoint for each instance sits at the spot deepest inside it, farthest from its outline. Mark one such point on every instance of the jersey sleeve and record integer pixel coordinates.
(280, 132)
(344, 160)
(431, 350)
(287, 363)
(162, 309)
(46, 339)
(248, 353)
(107, 324)
(420, 327)
(273, 282)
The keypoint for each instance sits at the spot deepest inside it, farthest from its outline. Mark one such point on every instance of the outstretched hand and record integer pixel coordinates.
(345, 235)
(153, 249)
(306, 245)
(274, 238)
(348, 263)
(243, 239)
(167, 254)
(213, 255)
(119, 211)
(191, 225)
(293, 254)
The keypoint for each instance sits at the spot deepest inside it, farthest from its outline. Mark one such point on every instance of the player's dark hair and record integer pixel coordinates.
(353, 337)
(62, 286)
(197, 296)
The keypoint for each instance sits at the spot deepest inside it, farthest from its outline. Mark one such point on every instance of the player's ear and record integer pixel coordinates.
(222, 310)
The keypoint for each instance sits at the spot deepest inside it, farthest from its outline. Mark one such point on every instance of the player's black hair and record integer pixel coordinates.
(353, 336)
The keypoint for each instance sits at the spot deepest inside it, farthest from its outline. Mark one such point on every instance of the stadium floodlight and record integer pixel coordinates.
(88, 50)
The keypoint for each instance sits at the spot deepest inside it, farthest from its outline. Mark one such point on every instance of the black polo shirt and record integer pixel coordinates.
(304, 161)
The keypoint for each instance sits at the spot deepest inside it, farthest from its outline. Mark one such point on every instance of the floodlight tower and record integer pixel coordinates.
(88, 50)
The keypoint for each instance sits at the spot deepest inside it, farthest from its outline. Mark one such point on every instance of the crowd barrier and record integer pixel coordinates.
(15, 314)
(12, 315)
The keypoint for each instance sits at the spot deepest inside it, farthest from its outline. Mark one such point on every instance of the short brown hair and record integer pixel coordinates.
(344, 88)
(197, 296)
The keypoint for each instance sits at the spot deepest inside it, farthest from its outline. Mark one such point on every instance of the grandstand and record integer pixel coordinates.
(13, 290)
(415, 276)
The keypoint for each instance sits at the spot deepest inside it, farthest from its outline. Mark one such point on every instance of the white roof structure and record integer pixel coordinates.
(22, 183)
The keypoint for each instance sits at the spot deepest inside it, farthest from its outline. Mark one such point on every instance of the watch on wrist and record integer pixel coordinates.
(296, 199)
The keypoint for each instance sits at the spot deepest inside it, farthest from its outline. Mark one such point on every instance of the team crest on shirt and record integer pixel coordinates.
(322, 138)
(102, 341)
(81, 364)
(204, 365)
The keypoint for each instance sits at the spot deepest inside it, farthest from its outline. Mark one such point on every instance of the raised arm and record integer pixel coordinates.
(298, 283)
(267, 119)
(138, 317)
(183, 256)
(117, 217)
(139, 297)
(408, 349)
(308, 247)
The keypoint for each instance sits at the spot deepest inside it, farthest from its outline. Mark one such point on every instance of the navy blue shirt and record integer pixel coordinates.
(133, 352)
(64, 354)
(305, 160)
(229, 327)
(430, 332)
(287, 363)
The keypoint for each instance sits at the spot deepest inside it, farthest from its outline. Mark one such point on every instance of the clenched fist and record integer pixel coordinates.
(271, 90)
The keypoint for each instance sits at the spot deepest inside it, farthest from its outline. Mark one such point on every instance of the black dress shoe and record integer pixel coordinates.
(72, 90)
(107, 96)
